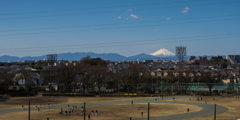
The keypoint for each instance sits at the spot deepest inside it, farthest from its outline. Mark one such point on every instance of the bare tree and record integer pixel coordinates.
(6, 76)
(66, 75)
(209, 79)
(135, 72)
(99, 73)
(5, 80)
(85, 74)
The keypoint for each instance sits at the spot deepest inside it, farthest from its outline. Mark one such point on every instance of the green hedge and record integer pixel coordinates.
(61, 94)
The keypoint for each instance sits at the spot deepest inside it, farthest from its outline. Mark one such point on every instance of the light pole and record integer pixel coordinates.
(161, 86)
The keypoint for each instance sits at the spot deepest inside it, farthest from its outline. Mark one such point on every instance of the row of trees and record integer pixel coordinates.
(94, 71)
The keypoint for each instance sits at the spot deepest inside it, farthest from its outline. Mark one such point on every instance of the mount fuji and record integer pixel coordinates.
(162, 52)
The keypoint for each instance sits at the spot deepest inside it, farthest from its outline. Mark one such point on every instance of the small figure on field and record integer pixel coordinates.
(65, 113)
(213, 99)
(36, 108)
(81, 112)
(155, 100)
(188, 110)
(92, 112)
(201, 98)
(60, 111)
(89, 116)
(22, 106)
(96, 112)
(132, 102)
(162, 97)
(142, 113)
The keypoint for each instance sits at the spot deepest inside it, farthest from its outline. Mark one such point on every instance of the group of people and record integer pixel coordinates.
(38, 108)
(70, 110)
(74, 109)
(93, 113)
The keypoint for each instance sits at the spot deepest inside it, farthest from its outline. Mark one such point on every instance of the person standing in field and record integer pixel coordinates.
(92, 112)
(96, 112)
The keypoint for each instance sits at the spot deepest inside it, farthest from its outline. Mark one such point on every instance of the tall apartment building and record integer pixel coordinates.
(234, 59)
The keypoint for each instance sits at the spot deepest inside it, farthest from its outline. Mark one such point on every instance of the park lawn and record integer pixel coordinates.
(77, 100)
(229, 102)
(17, 102)
(108, 112)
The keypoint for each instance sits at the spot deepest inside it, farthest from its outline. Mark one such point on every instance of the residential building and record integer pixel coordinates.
(234, 59)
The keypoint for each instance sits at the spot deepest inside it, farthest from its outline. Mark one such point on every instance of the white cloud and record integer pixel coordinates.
(168, 18)
(185, 10)
(129, 10)
(134, 16)
(156, 29)
(119, 17)
(127, 18)
(117, 10)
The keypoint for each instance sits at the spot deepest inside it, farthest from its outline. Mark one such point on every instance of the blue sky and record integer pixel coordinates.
(174, 21)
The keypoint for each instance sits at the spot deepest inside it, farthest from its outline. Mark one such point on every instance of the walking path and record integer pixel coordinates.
(208, 109)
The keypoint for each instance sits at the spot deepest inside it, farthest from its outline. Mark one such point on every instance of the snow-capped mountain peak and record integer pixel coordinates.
(163, 52)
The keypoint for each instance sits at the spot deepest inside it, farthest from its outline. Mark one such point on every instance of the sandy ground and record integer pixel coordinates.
(231, 103)
(17, 102)
(109, 112)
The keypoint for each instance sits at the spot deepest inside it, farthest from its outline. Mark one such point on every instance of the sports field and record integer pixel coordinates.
(108, 112)
(120, 108)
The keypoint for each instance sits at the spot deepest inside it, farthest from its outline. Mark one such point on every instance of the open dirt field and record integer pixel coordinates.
(113, 112)
(17, 102)
(231, 103)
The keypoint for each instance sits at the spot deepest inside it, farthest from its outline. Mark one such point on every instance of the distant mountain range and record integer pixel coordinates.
(162, 53)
